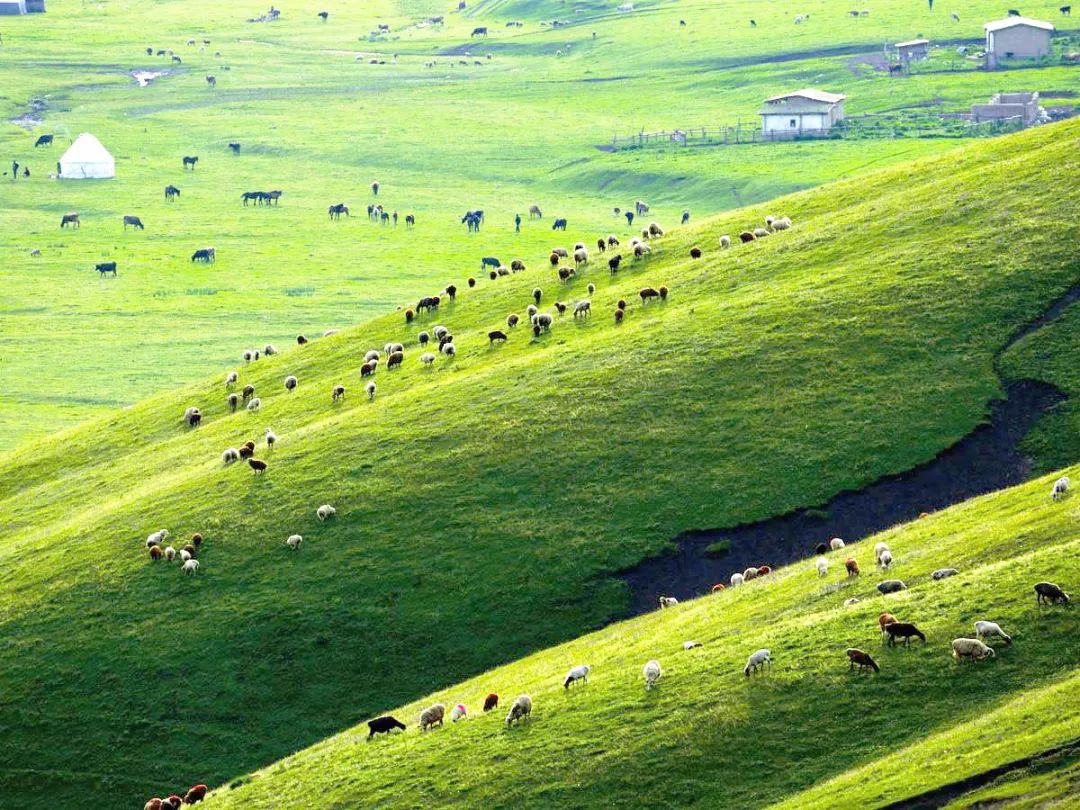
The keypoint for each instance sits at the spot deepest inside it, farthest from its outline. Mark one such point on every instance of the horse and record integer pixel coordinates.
(336, 211)
(235, 148)
(212, 81)
(190, 161)
(534, 211)
(271, 197)
(205, 255)
(323, 15)
(559, 224)
(472, 220)
(641, 207)
(171, 191)
(247, 196)
(410, 220)
(69, 219)
(135, 222)
(106, 267)
(44, 140)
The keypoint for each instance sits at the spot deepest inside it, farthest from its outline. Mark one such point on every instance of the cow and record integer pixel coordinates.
(489, 261)
(134, 222)
(44, 140)
(71, 219)
(235, 148)
(479, 31)
(106, 267)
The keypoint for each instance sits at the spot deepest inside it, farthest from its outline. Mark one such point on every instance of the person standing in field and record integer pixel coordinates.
(517, 223)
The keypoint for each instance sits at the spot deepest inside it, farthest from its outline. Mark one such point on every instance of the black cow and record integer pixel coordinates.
(44, 140)
(134, 222)
(480, 31)
(489, 261)
(106, 267)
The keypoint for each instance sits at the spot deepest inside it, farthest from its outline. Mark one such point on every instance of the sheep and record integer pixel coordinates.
(230, 455)
(719, 586)
(591, 288)
(537, 295)
(530, 311)
(293, 541)
(879, 548)
(153, 804)
(185, 555)
(971, 648)
(944, 573)
(271, 439)
(836, 544)
(746, 236)
(427, 358)
(491, 702)
(655, 230)
(1061, 486)
(373, 354)
(440, 332)
(156, 553)
(424, 338)
(270, 349)
(852, 566)
(689, 645)
(395, 360)
(695, 253)
(581, 256)
(891, 586)
(231, 378)
(725, 241)
(885, 560)
(196, 539)
(157, 537)
(232, 401)
(647, 294)
(520, 709)
(367, 369)
(248, 392)
(578, 673)
(583, 308)
(902, 630)
(458, 713)
(248, 355)
(1051, 593)
(736, 580)
(663, 293)
(257, 466)
(383, 725)
(985, 629)
(781, 224)
(821, 548)
(749, 573)
(760, 233)
(619, 315)
(254, 405)
(290, 382)
(543, 322)
(248, 450)
(757, 662)
(884, 620)
(495, 335)
(338, 392)
(431, 716)
(652, 673)
(861, 660)
(822, 566)
(325, 511)
(640, 249)
(565, 273)
(449, 350)
(668, 601)
(370, 388)
(195, 794)
(190, 566)
(517, 265)
(170, 553)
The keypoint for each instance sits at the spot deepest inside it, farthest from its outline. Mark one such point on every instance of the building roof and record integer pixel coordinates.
(998, 25)
(809, 94)
(86, 149)
(912, 42)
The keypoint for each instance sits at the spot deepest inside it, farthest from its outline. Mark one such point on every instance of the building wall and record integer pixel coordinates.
(12, 7)
(35, 6)
(779, 124)
(1021, 41)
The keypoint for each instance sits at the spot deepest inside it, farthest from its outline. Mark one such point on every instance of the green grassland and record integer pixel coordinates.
(811, 734)
(484, 502)
(518, 129)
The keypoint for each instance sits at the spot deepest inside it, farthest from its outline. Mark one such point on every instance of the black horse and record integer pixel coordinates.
(171, 191)
(190, 161)
(336, 211)
(559, 225)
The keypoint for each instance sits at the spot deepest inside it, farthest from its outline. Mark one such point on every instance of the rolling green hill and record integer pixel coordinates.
(809, 734)
(484, 503)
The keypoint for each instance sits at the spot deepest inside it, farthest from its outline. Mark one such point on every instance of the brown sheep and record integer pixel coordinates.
(861, 660)
(884, 620)
(247, 452)
(621, 304)
(554, 259)
(565, 273)
(663, 293)
(511, 321)
(695, 253)
(561, 307)
(156, 552)
(746, 236)
(196, 539)
(619, 314)
(648, 293)
(852, 566)
(367, 369)
(472, 281)
(494, 335)
(409, 315)
(517, 265)
(491, 702)
(395, 359)
(248, 392)
(257, 466)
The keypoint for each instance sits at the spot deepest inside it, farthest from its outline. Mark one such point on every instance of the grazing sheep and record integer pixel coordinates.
(293, 541)
(458, 713)
(257, 466)
(652, 673)
(367, 369)
(591, 288)
(836, 543)
(337, 393)
(325, 511)
(885, 560)
(984, 629)
(1061, 486)
(971, 648)
(695, 253)
(170, 553)
(271, 439)
(232, 401)
(719, 586)
(370, 388)
(543, 321)
(491, 702)
(861, 660)
(153, 804)
(852, 566)
(668, 601)
(231, 378)
(725, 241)
(583, 308)
(157, 537)
(196, 539)
(270, 349)
(655, 230)
(185, 555)
(448, 349)
(495, 335)
(373, 355)
(581, 256)
(247, 451)
(640, 249)
(537, 295)
(879, 548)
(663, 293)
(440, 332)
(248, 355)
(781, 224)
(736, 580)
(647, 294)
(432, 716)
(230, 455)
(884, 620)
(821, 548)
(427, 358)
(619, 315)
(749, 573)
(944, 573)
(190, 566)
(156, 553)
(891, 586)
(822, 566)
(757, 662)
(520, 709)
(195, 794)
(248, 392)
(746, 236)
(254, 405)
(902, 630)
(1050, 593)
(689, 645)
(395, 360)
(301, 340)
(383, 725)
(761, 233)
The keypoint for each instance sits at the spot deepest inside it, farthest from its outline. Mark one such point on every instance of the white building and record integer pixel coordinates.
(87, 159)
(804, 112)
(1017, 38)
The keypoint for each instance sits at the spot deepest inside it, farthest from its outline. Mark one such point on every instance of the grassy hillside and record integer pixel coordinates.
(811, 734)
(518, 129)
(482, 503)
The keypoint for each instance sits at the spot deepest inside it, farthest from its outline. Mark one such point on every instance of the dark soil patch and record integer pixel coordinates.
(985, 460)
(34, 115)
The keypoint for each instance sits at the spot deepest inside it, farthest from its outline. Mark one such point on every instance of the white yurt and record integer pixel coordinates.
(87, 158)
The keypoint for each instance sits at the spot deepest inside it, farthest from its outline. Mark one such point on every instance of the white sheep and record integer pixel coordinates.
(231, 378)
(578, 673)
(652, 673)
(157, 537)
(822, 566)
(449, 350)
(325, 511)
(836, 543)
(427, 358)
(749, 573)
(230, 455)
(254, 405)
(294, 541)
(1061, 486)
(885, 560)
(757, 662)
(520, 709)
(944, 573)
(984, 629)
(440, 332)
(459, 712)
(271, 439)
(668, 601)
(370, 388)
(330, 332)
(372, 355)
(431, 716)
(170, 553)
(971, 648)
(190, 567)
(583, 308)
(530, 311)
(689, 645)
(185, 555)
(725, 241)
(781, 224)
(736, 579)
